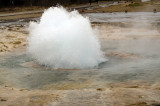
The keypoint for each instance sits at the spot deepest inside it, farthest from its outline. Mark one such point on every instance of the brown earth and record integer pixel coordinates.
(20, 9)
(129, 93)
(12, 38)
(22, 97)
(130, 7)
(21, 16)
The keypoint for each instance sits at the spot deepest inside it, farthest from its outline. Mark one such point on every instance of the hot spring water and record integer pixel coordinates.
(65, 40)
(141, 64)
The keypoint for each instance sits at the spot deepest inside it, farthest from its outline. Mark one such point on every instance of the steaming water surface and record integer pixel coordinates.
(130, 41)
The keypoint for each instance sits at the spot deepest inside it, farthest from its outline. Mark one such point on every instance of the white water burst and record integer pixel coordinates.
(65, 40)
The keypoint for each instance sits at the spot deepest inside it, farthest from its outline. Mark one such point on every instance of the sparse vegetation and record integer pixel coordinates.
(135, 4)
(1, 83)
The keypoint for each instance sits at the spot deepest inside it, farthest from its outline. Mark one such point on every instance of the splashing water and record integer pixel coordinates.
(65, 40)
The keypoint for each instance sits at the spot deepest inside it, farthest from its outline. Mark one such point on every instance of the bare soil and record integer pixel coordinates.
(101, 8)
(124, 93)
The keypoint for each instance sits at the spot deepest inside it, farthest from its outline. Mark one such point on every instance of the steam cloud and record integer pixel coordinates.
(65, 40)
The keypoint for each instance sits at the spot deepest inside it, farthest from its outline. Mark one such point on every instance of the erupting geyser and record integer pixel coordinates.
(65, 40)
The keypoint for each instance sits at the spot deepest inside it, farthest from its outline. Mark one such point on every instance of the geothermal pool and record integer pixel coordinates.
(130, 43)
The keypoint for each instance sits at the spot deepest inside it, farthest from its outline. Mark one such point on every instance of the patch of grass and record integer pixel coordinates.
(1, 83)
(135, 4)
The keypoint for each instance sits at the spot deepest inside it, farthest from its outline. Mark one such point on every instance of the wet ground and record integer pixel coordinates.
(127, 61)
(131, 44)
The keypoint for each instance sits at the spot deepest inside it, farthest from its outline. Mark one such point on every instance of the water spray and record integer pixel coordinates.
(64, 40)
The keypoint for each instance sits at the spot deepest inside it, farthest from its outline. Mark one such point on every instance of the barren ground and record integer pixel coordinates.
(130, 78)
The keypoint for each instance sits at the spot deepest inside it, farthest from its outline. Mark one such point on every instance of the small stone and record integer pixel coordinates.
(157, 88)
(24, 44)
(3, 100)
(6, 85)
(133, 86)
(100, 89)
(17, 42)
(21, 89)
